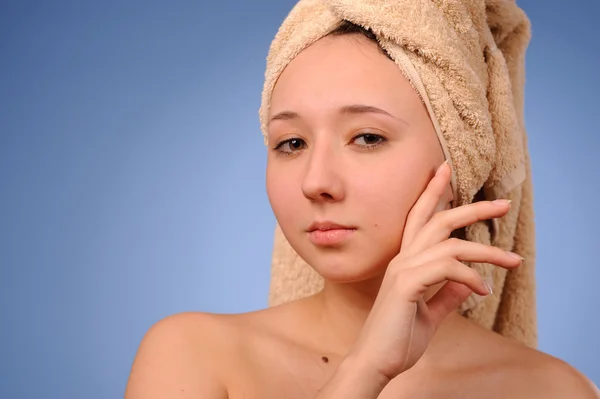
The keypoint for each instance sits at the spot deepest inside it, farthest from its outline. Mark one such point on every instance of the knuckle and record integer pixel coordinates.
(499, 251)
(449, 262)
(475, 274)
(453, 241)
(445, 265)
(455, 247)
(437, 218)
(489, 251)
(486, 208)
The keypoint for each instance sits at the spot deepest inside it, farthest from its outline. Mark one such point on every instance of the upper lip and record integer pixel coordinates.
(327, 225)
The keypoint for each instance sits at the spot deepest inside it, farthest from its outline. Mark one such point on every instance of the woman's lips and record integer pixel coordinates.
(330, 237)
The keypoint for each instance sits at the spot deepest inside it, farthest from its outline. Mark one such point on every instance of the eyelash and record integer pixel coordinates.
(381, 141)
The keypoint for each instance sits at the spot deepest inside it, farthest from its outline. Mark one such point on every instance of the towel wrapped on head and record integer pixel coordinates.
(465, 58)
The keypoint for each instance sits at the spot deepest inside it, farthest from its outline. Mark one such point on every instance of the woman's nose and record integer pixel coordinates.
(323, 177)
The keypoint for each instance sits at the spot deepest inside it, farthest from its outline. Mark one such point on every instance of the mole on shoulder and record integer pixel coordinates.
(325, 359)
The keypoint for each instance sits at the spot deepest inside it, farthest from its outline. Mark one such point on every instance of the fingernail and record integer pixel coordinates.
(487, 285)
(477, 299)
(502, 202)
(514, 255)
(441, 168)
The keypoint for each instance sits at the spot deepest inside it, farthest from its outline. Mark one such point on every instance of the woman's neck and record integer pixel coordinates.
(341, 310)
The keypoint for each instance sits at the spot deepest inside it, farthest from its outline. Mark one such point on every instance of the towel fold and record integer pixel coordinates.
(466, 60)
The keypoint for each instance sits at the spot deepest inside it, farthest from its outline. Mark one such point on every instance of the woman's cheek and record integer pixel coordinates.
(386, 203)
(285, 198)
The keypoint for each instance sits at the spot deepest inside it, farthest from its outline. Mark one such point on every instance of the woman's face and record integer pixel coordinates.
(350, 143)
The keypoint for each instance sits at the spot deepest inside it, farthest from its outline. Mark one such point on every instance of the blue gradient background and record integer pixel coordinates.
(132, 177)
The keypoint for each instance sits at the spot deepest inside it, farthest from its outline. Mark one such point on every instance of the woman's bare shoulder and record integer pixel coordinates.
(193, 354)
(543, 375)
(184, 355)
(507, 368)
(534, 373)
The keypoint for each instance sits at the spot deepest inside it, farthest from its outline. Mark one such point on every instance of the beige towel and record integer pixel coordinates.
(465, 58)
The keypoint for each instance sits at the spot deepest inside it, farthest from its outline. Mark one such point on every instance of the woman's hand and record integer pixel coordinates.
(402, 323)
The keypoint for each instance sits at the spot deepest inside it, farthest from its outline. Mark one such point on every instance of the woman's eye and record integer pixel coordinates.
(368, 139)
(290, 146)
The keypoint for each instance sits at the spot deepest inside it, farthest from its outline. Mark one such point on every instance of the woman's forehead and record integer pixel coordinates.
(338, 71)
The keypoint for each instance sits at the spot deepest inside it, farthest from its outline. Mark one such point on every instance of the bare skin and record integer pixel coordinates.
(272, 354)
(348, 340)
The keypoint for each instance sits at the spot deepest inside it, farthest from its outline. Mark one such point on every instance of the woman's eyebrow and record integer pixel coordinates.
(365, 109)
(284, 116)
(347, 109)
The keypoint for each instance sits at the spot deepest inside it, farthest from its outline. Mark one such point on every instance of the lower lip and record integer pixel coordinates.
(330, 237)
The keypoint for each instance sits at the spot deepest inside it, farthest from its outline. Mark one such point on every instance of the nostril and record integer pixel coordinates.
(327, 196)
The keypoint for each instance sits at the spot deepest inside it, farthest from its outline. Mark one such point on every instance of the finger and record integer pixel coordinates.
(447, 300)
(415, 281)
(465, 251)
(442, 224)
(430, 200)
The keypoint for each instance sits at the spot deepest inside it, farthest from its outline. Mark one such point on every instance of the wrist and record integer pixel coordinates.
(358, 368)
(354, 378)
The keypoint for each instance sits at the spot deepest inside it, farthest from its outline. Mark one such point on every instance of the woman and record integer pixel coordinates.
(355, 182)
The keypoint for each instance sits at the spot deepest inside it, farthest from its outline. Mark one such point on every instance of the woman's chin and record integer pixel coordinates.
(346, 263)
(344, 270)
